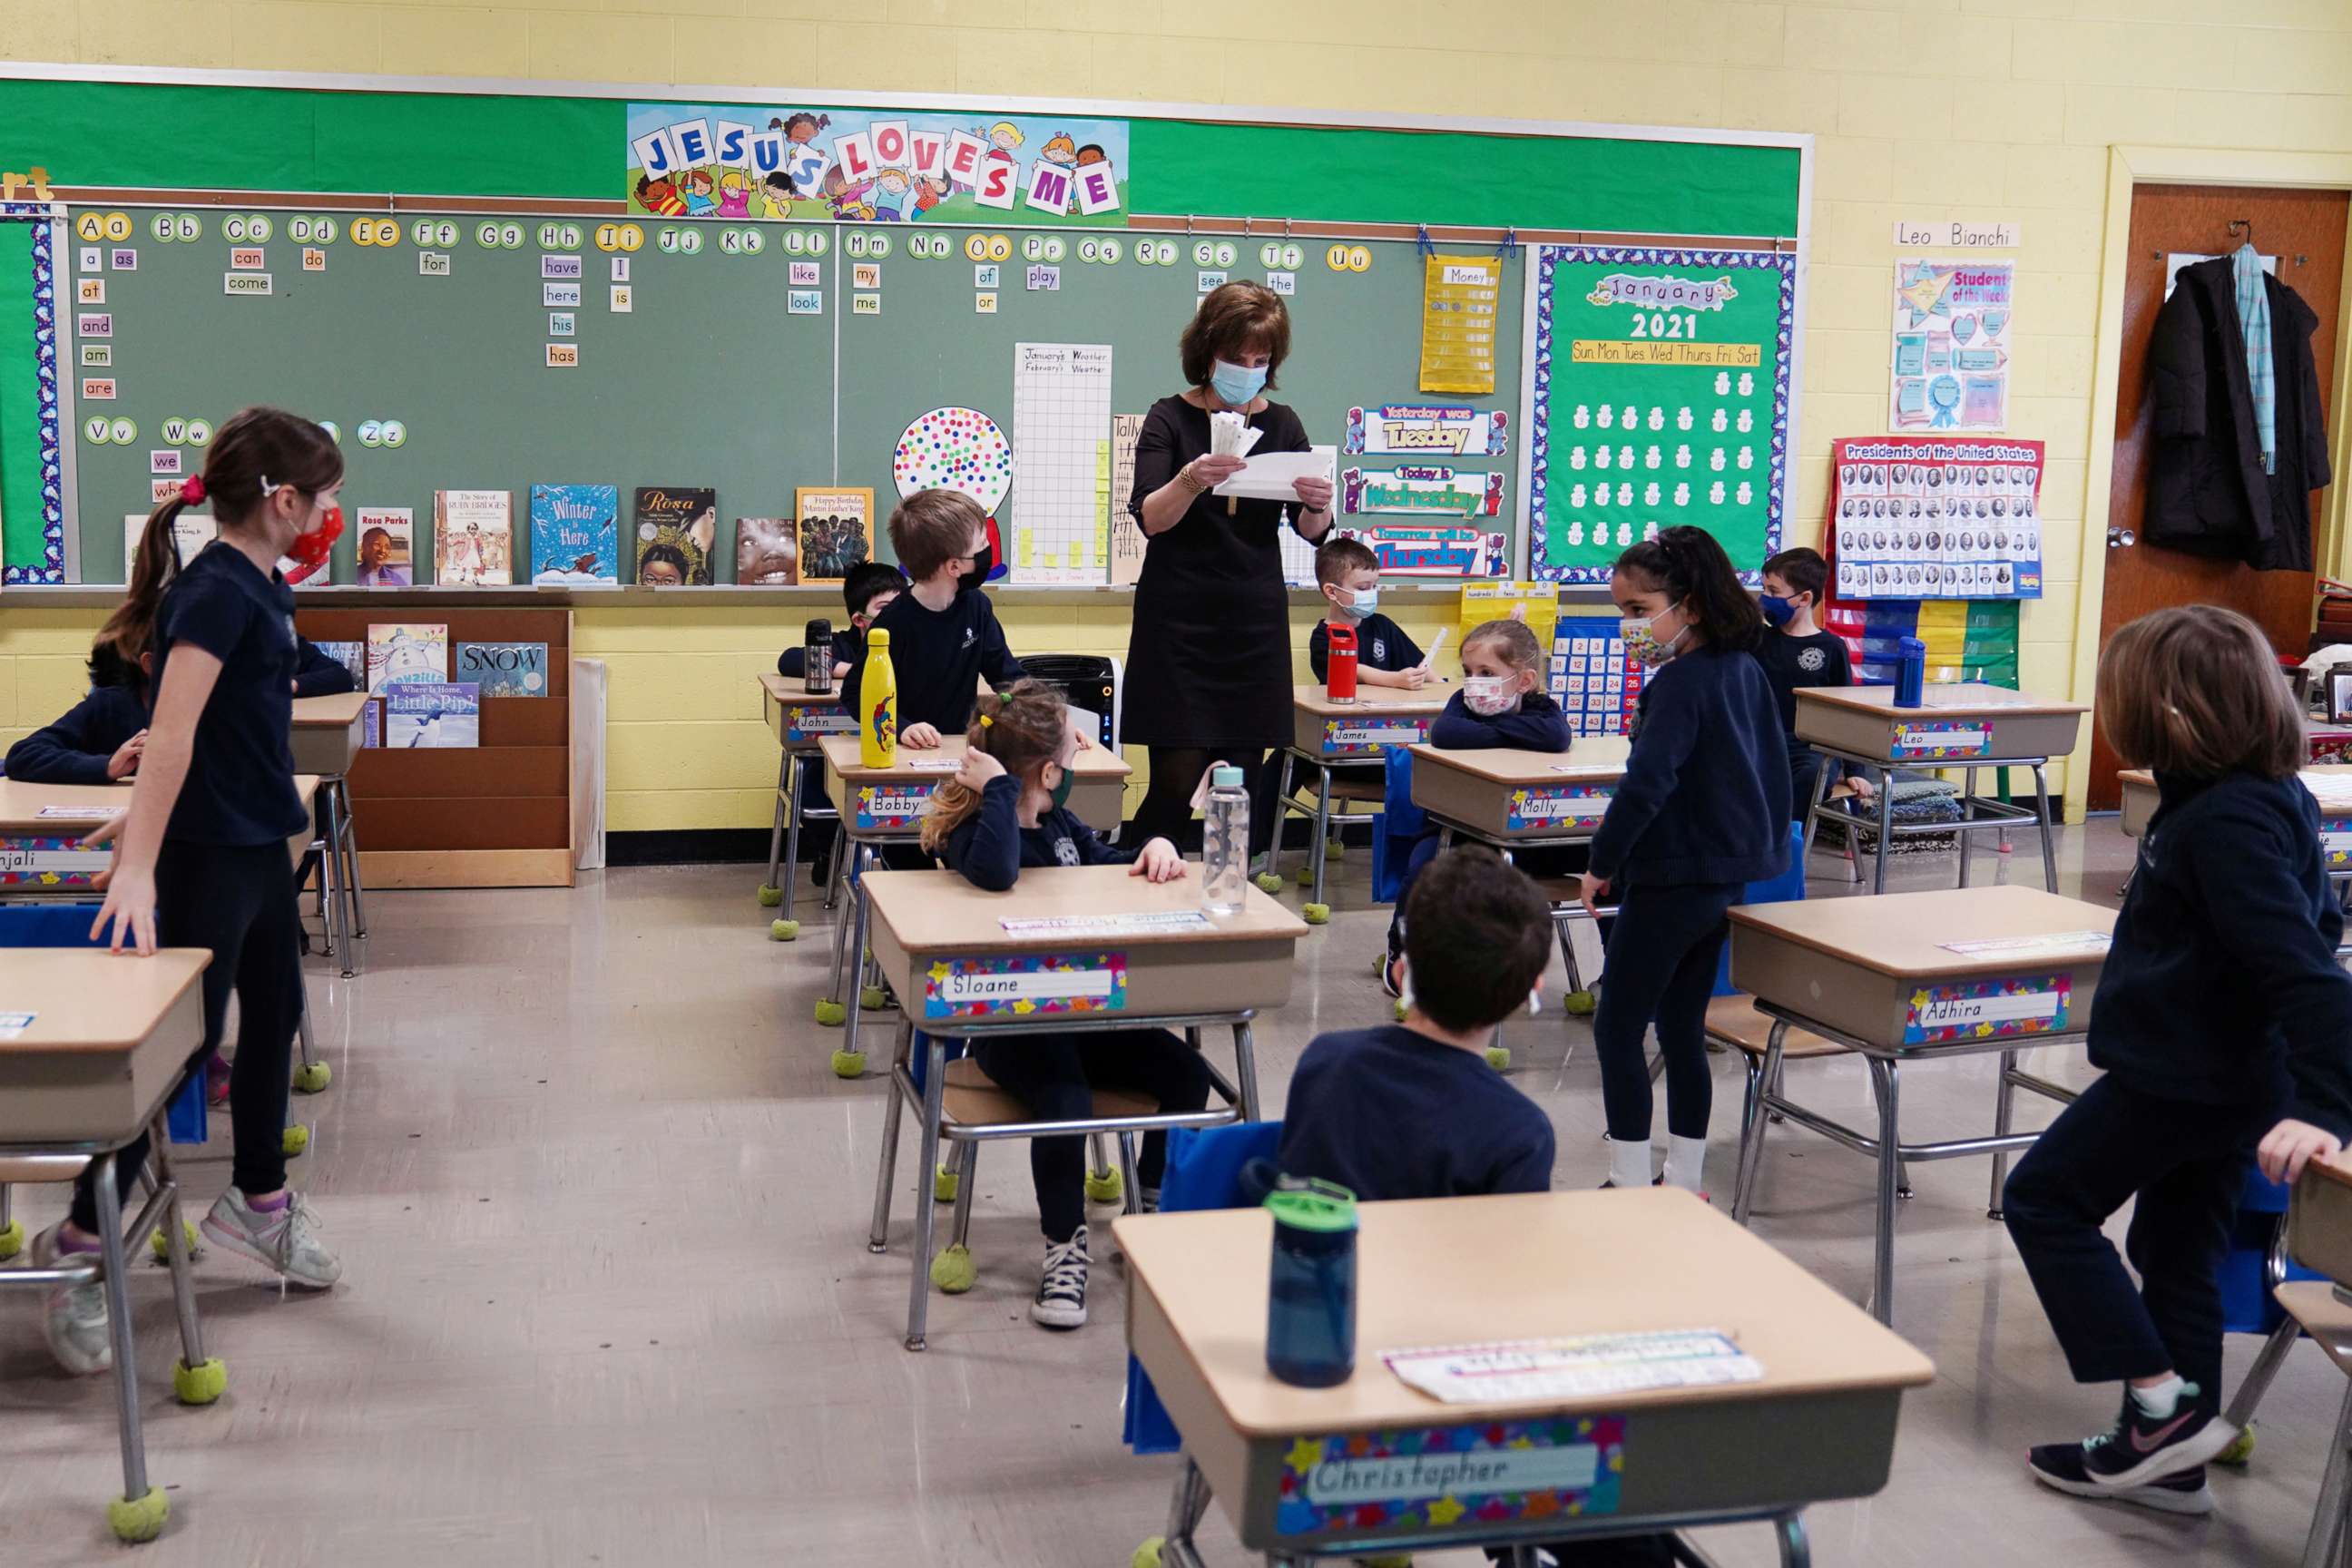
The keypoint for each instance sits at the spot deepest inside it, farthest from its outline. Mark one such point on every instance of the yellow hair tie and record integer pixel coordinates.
(986, 721)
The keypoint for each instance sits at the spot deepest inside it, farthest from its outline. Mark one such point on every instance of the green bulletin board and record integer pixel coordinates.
(1657, 394)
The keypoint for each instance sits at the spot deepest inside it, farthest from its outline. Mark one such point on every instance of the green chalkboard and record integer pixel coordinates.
(711, 378)
(707, 379)
(1660, 396)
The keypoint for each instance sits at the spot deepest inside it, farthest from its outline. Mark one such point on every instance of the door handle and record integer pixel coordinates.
(2120, 537)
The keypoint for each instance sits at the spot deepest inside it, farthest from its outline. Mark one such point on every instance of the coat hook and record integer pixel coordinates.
(2244, 227)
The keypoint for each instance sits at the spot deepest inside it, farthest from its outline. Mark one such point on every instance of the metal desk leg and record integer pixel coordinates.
(1246, 1069)
(853, 999)
(1796, 1546)
(2328, 1519)
(1886, 1077)
(116, 1285)
(876, 1240)
(935, 1075)
(1322, 833)
(2049, 848)
(1968, 794)
(175, 1245)
(1186, 1509)
(1824, 779)
(1127, 1170)
(350, 834)
(776, 826)
(843, 868)
(792, 809)
(1282, 810)
(2004, 1106)
(1885, 828)
(967, 1178)
(1751, 1140)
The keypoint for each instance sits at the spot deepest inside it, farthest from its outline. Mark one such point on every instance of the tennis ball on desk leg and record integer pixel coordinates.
(770, 895)
(12, 1239)
(953, 1270)
(1335, 850)
(1148, 1555)
(832, 1014)
(296, 1139)
(1106, 1186)
(1499, 1058)
(872, 998)
(784, 930)
(1579, 1004)
(1316, 914)
(1304, 876)
(2240, 1451)
(188, 1234)
(312, 1078)
(848, 1064)
(945, 1181)
(1269, 883)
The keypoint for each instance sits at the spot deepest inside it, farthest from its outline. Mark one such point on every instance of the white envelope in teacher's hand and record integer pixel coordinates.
(1268, 476)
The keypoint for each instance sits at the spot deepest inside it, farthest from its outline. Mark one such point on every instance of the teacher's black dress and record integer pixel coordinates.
(1209, 659)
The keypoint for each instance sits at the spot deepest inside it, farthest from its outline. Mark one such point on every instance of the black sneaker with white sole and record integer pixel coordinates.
(2060, 1467)
(1061, 1300)
(2141, 1448)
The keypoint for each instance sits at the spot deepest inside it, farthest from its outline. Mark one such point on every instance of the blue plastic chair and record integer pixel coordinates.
(1789, 888)
(2256, 1264)
(1400, 825)
(68, 925)
(1204, 1171)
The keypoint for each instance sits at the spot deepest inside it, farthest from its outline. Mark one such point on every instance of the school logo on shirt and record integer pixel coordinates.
(1812, 662)
(1065, 851)
(1379, 648)
(970, 637)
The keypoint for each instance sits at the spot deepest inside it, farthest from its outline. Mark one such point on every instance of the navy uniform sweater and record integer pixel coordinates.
(1705, 792)
(989, 846)
(940, 658)
(1380, 643)
(2222, 984)
(1537, 724)
(1387, 1113)
(76, 748)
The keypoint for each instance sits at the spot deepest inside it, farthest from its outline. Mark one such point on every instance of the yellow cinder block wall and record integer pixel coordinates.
(1978, 109)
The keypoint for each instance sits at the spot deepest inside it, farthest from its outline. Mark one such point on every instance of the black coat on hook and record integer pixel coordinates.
(2207, 491)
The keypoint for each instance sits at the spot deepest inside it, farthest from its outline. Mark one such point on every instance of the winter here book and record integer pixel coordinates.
(575, 534)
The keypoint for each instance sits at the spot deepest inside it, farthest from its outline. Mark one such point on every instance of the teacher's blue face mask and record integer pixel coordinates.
(1237, 383)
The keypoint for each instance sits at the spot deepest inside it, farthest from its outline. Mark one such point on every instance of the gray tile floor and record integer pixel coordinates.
(602, 1210)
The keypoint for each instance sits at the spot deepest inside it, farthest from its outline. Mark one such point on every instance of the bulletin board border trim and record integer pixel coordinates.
(52, 567)
(1535, 374)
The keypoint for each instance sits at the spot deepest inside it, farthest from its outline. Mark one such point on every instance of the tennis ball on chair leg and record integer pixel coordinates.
(12, 1239)
(953, 1270)
(1580, 1003)
(848, 1064)
(1316, 914)
(1304, 876)
(871, 998)
(784, 930)
(1106, 1186)
(189, 1234)
(832, 1014)
(311, 1077)
(1148, 1555)
(139, 1519)
(770, 895)
(945, 1181)
(200, 1385)
(296, 1139)
(1499, 1056)
(1268, 882)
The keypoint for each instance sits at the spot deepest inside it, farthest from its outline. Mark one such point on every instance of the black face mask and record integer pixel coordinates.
(982, 564)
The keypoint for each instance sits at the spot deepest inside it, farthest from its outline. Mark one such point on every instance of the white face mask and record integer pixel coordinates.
(1489, 695)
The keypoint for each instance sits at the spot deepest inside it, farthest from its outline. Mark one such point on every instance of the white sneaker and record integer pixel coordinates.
(73, 1317)
(284, 1241)
(1061, 1300)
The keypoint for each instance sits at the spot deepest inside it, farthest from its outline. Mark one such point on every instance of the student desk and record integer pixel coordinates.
(91, 1046)
(329, 733)
(40, 825)
(1970, 727)
(1326, 735)
(1817, 1427)
(799, 721)
(1916, 977)
(884, 805)
(2331, 785)
(1067, 948)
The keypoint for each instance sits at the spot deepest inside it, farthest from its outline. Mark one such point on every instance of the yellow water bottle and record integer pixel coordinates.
(878, 697)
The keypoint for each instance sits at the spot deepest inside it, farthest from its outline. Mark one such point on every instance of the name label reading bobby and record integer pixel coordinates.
(886, 806)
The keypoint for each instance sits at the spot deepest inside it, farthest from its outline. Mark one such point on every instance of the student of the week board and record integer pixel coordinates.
(2223, 1027)
(201, 857)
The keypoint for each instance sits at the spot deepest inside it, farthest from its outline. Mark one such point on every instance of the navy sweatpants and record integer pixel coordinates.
(1662, 963)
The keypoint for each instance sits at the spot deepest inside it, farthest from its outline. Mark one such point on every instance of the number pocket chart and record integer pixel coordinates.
(1657, 394)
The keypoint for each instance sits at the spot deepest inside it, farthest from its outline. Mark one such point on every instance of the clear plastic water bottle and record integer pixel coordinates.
(1224, 841)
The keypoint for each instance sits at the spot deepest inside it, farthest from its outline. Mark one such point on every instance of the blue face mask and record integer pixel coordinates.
(1777, 610)
(1236, 384)
(1366, 601)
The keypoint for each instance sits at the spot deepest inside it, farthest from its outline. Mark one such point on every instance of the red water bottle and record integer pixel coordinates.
(1340, 685)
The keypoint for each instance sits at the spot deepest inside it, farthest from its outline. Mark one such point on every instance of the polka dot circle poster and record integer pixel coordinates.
(958, 449)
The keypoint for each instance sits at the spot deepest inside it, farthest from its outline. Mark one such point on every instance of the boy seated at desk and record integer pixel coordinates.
(1797, 654)
(99, 740)
(1502, 703)
(867, 591)
(1351, 577)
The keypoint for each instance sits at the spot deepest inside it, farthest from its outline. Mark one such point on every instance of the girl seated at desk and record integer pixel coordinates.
(1007, 809)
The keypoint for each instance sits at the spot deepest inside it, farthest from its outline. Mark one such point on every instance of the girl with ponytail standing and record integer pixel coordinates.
(1702, 811)
(201, 860)
(1008, 808)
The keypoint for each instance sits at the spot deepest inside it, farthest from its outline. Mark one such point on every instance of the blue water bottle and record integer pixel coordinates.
(1310, 1309)
(1910, 673)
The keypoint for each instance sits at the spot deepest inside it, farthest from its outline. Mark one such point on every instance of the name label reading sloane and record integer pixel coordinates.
(1020, 985)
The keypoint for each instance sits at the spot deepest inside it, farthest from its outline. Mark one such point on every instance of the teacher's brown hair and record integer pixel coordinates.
(1236, 319)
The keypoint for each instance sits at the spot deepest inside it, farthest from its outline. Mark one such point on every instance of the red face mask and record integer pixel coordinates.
(312, 548)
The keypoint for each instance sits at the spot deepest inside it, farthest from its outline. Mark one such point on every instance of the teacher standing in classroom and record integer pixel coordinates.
(1209, 659)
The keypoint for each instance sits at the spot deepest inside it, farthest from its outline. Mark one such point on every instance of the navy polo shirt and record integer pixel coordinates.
(240, 785)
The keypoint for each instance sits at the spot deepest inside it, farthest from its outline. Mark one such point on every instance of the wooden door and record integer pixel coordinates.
(2305, 230)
